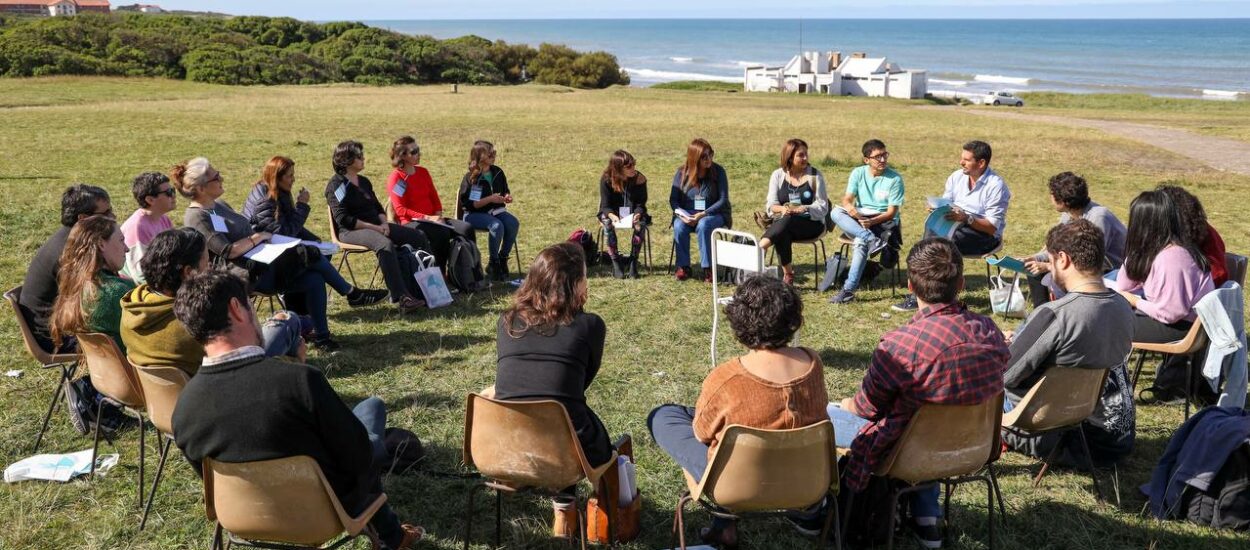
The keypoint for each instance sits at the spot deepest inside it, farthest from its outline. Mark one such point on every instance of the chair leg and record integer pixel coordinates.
(1093, 470)
(998, 492)
(1054, 452)
(468, 513)
(831, 523)
(216, 537)
(156, 482)
(1141, 359)
(498, 518)
(52, 405)
(95, 446)
(143, 440)
(1189, 383)
(893, 516)
(350, 274)
(679, 525)
(989, 504)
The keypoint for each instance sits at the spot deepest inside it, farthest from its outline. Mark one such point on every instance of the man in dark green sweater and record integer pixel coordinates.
(243, 407)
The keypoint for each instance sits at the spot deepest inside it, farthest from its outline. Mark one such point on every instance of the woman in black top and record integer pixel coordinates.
(484, 197)
(797, 203)
(623, 195)
(549, 348)
(699, 198)
(361, 220)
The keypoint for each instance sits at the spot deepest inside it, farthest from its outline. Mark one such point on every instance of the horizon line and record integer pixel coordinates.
(1246, 18)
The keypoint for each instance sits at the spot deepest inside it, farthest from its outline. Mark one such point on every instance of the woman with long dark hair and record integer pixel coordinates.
(700, 202)
(1198, 231)
(484, 197)
(797, 202)
(623, 196)
(89, 289)
(1163, 277)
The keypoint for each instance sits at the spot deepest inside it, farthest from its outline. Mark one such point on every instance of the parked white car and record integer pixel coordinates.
(1002, 98)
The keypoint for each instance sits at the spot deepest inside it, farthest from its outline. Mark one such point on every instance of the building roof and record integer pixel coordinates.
(863, 66)
(80, 3)
(92, 3)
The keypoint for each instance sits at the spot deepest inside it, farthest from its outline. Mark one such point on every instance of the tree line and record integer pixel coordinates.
(281, 50)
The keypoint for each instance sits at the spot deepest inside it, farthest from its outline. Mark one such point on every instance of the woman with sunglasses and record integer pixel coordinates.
(415, 200)
(155, 196)
(700, 202)
(484, 196)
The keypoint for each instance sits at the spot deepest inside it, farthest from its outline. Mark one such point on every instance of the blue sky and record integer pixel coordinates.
(851, 9)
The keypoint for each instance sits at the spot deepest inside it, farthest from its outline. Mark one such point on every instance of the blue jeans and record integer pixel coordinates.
(704, 228)
(372, 413)
(313, 286)
(281, 336)
(672, 428)
(501, 228)
(846, 426)
(859, 253)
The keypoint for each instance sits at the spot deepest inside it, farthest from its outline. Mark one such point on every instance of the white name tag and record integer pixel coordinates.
(401, 187)
(340, 192)
(624, 211)
(475, 194)
(795, 198)
(219, 223)
(700, 204)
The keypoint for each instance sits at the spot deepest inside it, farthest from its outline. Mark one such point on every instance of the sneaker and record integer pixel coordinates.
(74, 407)
(324, 344)
(707, 274)
(683, 273)
(1160, 396)
(908, 304)
(363, 297)
(408, 304)
(929, 536)
(842, 297)
(807, 525)
(876, 245)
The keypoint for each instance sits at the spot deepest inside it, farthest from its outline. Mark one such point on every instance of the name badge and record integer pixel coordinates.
(340, 192)
(624, 212)
(401, 187)
(219, 223)
(475, 194)
(700, 204)
(795, 199)
(883, 195)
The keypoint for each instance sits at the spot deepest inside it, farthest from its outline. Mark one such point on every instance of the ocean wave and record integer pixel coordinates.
(652, 75)
(681, 59)
(959, 83)
(999, 79)
(745, 64)
(1223, 93)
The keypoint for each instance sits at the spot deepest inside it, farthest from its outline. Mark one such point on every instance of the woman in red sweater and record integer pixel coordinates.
(415, 200)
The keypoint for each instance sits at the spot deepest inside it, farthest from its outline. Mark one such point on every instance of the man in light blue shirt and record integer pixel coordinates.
(979, 199)
(869, 213)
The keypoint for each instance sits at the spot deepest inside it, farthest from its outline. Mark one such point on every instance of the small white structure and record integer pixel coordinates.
(62, 8)
(149, 8)
(829, 73)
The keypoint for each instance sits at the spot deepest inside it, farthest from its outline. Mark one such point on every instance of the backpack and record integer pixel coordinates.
(409, 264)
(1226, 502)
(404, 450)
(464, 265)
(590, 249)
(869, 514)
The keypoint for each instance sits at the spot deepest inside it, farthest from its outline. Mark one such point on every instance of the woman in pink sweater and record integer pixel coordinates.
(1163, 277)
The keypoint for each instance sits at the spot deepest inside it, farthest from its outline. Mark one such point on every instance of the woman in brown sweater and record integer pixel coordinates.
(773, 386)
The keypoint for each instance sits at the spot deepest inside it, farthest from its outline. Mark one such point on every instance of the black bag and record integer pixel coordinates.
(404, 449)
(409, 264)
(1226, 502)
(464, 265)
(869, 518)
(590, 249)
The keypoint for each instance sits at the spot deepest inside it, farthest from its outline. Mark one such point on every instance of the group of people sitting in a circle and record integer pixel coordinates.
(182, 298)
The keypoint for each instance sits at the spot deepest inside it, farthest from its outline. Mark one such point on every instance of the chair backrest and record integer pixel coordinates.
(942, 441)
(1064, 396)
(391, 216)
(280, 500)
(44, 357)
(161, 388)
(334, 227)
(755, 469)
(111, 374)
(738, 255)
(523, 443)
(1236, 266)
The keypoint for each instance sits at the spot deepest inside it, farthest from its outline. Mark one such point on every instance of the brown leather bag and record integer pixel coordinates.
(628, 519)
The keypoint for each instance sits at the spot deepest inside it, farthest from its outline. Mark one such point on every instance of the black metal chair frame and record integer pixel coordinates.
(831, 521)
(1189, 374)
(500, 489)
(1065, 433)
(896, 272)
(226, 541)
(646, 246)
(819, 257)
(986, 475)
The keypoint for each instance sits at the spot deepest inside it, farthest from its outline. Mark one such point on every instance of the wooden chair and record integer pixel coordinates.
(1194, 340)
(284, 503)
(762, 473)
(947, 445)
(114, 377)
(161, 388)
(67, 362)
(819, 255)
(348, 249)
(1060, 402)
(530, 446)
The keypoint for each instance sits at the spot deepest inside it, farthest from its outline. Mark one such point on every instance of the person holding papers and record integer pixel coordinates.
(796, 206)
(484, 197)
(271, 205)
(362, 221)
(415, 200)
(623, 204)
(973, 208)
(700, 202)
(296, 269)
(869, 210)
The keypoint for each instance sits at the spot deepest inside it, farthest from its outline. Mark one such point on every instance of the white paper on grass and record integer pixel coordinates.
(57, 467)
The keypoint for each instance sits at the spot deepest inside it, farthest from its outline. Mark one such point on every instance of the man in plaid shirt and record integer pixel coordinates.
(945, 354)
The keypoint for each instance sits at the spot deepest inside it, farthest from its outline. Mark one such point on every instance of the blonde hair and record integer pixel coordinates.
(190, 175)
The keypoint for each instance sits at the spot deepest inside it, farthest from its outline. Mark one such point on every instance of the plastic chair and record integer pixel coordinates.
(161, 388)
(348, 249)
(284, 503)
(1236, 266)
(1194, 340)
(1060, 402)
(947, 445)
(819, 255)
(745, 254)
(763, 473)
(67, 362)
(114, 377)
(529, 446)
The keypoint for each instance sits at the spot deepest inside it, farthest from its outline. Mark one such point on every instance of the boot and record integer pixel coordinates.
(502, 269)
(618, 267)
(633, 267)
(492, 270)
(565, 520)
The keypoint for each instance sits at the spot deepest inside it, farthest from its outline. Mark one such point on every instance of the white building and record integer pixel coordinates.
(830, 73)
(149, 8)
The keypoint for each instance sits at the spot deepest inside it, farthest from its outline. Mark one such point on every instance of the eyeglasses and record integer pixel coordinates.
(880, 158)
(168, 192)
(414, 151)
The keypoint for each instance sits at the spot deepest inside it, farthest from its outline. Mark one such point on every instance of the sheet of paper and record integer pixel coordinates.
(267, 252)
(937, 202)
(328, 249)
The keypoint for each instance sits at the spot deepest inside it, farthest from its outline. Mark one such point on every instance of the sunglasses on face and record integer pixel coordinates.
(168, 193)
(414, 151)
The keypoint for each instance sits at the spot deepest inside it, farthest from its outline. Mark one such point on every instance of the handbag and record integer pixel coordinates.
(430, 279)
(1007, 300)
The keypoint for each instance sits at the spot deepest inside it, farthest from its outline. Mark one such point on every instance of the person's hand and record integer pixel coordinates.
(303, 195)
(866, 223)
(852, 212)
(435, 219)
(1037, 267)
(263, 236)
(614, 218)
(689, 220)
(848, 405)
(1009, 335)
(384, 229)
(507, 199)
(637, 219)
(957, 215)
(301, 352)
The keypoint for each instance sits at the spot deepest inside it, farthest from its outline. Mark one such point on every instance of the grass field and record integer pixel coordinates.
(553, 143)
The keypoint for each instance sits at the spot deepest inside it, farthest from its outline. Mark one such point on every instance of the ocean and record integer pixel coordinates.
(1208, 58)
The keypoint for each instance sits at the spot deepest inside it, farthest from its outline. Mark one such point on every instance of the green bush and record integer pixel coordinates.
(280, 50)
